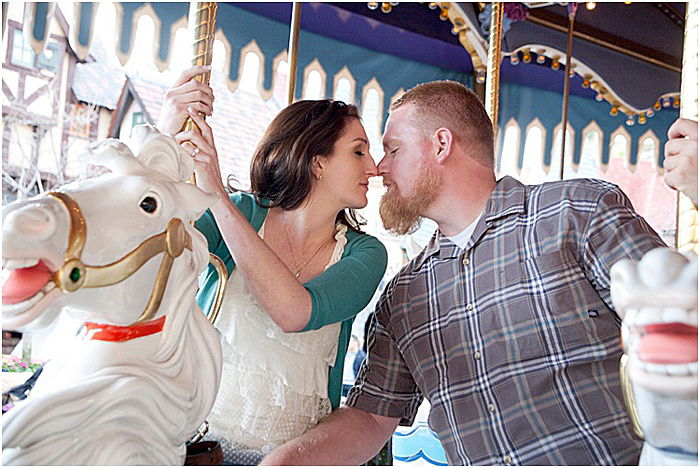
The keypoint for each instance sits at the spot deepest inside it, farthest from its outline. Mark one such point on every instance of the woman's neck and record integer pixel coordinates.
(310, 223)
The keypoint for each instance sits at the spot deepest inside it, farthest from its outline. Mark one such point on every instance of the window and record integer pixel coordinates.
(647, 150)
(620, 148)
(343, 91)
(371, 117)
(249, 76)
(509, 153)
(591, 151)
(533, 157)
(137, 118)
(218, 56)
(312, 90)
(49, 59)
(81, 117)
(22, 53)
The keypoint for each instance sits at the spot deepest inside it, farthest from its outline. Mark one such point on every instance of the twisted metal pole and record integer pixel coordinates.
(494, 63)
(202, 24)
(293, 50)
(567, 86)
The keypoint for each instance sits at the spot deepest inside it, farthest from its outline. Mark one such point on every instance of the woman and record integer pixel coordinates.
(298, 263)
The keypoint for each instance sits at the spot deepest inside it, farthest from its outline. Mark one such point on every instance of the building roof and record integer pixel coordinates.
(239, 120)
(98, 82)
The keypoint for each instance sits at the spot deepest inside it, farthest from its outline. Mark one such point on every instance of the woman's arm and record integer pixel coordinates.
(273, 285)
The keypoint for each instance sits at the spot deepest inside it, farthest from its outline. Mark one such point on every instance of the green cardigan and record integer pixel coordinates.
(337, 294)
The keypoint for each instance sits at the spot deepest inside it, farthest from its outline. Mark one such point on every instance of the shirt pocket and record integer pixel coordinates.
(508, 325)
(566, 307)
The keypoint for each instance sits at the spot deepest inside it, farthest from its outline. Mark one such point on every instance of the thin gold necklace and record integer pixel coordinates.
(289, 244)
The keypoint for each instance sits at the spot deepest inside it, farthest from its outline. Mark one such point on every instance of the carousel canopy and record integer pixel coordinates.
(626, 57)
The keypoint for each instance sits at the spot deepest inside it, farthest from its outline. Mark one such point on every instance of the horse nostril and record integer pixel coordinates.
(35, 222)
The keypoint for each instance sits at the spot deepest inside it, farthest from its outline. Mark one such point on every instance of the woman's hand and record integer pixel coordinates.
(203, 150)
(185, 92)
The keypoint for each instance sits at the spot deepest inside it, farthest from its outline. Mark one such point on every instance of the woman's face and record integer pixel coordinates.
(346, 171)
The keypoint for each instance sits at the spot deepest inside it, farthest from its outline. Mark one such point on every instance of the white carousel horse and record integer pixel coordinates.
(658, 300)
(139, 380)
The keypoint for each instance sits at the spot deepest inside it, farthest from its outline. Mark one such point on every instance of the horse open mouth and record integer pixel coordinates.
(665, 356)
(29, 281)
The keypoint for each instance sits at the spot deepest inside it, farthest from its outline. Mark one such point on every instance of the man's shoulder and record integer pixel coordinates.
(576, 189)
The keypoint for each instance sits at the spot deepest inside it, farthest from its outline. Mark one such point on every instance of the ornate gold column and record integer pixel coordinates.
(494, 63)
(687, 221)
(202, 24)
(293, 50)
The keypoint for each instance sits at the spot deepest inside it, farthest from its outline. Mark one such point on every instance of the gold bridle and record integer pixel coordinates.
(74, 274)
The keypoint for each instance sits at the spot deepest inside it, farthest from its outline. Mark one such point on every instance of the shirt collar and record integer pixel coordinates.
(507, 198)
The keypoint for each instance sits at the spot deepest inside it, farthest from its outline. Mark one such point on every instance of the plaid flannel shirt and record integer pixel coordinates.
(513, 340)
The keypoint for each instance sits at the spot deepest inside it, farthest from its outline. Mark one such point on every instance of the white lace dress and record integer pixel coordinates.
(274, 385)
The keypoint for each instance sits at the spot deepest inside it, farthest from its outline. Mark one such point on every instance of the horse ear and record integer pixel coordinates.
(192, 200)
(114, 155)
(161, 153)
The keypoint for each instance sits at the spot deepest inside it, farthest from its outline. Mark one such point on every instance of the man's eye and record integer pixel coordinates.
(359, 153)
(393, 152)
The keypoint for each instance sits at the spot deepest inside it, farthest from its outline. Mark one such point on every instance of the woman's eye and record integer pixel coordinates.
(149, 204)
(393, 152)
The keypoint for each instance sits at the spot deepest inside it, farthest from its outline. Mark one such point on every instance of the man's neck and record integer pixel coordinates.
(461, 202)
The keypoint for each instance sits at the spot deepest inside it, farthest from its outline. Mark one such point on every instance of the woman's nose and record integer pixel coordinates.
(371, 169)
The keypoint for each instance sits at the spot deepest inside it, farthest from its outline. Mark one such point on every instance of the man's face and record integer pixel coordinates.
(407, 167)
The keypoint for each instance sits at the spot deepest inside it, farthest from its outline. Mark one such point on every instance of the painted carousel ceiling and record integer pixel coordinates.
(628, 54)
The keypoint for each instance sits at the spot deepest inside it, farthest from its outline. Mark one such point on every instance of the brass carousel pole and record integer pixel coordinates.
(202, 24)
(293, 50)
(494, 63)
(567, 83)
(687, 214)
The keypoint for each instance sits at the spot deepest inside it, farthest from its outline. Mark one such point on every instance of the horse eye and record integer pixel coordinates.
(149, 204)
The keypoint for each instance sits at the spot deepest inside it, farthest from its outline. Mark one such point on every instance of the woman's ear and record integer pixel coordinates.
(317, 167)
(444, 139)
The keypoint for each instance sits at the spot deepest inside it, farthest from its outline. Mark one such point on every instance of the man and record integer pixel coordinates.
(504, 321)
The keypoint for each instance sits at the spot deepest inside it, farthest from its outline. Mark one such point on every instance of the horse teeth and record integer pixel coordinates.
(674, 315)
(648, 316)
(677, 369)
(654, 368)
(16, 263)
(22, 306)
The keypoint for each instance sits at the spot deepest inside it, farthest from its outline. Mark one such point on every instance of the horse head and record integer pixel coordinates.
(658, 300)
(98, 244)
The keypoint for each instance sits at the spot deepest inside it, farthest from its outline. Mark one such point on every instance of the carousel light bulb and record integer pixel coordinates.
(676, 103)
(599, 97)
(372, 5)
(514, 60)
(444, 14)
(541, 58)
(481, 76)
(642, 119)
(590, 5)
(650, 113)
(432, 5)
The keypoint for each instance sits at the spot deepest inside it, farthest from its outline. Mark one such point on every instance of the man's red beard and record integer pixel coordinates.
(402, 215)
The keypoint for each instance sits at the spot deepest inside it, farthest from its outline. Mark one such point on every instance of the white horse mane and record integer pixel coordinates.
(140, 410)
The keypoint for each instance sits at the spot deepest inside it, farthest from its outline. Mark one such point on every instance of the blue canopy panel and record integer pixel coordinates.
(525, 104)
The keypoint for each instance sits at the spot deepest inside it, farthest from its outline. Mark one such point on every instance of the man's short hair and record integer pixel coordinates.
(452, 105)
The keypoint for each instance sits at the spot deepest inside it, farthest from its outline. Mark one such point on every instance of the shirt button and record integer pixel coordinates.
(507, 459)
(491, 408)
(465, 261)
(477, 355)
(470, 306)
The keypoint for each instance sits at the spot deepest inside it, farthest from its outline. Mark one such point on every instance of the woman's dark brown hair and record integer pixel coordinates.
(281, 171)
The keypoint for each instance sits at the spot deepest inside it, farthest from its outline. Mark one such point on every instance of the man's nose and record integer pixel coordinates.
(383, 166)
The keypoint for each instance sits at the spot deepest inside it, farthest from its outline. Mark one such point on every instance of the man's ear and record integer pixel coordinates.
(445, 140)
